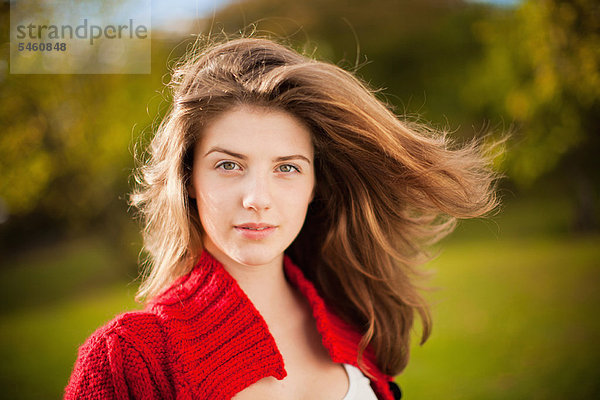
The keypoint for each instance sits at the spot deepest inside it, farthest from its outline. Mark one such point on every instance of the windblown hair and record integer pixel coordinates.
(386, 189)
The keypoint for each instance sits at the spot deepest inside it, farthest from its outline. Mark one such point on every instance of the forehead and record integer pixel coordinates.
(247, 129)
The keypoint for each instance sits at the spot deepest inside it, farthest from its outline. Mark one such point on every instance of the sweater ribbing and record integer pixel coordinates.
(202, 339)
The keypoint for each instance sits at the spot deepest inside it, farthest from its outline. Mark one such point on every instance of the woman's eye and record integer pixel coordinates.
(227, 166)
(287, 168)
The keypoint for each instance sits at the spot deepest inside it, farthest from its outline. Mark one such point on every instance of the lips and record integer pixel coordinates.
(255, 231)
(255, 227)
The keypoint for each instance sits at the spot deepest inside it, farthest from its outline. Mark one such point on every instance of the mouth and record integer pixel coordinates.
(255, 227)
(255, 231)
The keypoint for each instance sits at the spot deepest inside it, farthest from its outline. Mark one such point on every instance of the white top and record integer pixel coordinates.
(359, 388)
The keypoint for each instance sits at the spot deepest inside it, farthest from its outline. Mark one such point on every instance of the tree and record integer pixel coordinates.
(542, 70)
(66, 145)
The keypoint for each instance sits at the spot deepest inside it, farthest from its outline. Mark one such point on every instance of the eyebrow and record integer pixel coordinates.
(243, 157)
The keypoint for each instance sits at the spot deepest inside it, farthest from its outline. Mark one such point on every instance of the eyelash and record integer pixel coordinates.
(221, 164)
(291, 166)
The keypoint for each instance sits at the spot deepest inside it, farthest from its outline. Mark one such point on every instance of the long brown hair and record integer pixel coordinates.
(386, 188)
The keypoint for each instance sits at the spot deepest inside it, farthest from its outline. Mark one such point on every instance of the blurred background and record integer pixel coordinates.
(515, 299)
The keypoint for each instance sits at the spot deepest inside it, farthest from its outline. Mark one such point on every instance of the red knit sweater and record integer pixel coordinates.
(202, 339)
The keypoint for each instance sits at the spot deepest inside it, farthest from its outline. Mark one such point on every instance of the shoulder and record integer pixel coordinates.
(135, 328)
(119, 359)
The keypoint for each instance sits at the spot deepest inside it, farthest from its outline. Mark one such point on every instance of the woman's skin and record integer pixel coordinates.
(253, 178)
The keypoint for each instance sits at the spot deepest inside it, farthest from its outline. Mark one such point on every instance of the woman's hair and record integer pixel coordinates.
(386, 189)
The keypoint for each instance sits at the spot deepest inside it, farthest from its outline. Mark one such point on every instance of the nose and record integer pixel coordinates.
(257, 192)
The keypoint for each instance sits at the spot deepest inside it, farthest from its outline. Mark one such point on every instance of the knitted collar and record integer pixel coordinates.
(222, 344)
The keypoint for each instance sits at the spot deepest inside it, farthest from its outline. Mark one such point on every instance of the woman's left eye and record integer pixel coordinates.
(287, 168)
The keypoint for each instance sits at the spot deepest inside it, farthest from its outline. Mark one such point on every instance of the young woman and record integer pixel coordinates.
(285, 209)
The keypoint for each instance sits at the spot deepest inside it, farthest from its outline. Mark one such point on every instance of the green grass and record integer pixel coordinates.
(514, 319)
(39, 345)
(52, 299)
(50, 274)
(515, 312)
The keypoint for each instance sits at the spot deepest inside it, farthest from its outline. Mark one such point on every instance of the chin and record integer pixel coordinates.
(257, 256)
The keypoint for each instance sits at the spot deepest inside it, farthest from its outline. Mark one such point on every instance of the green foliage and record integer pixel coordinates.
(417, 52)
(66, 144)
(542, 71)
(67, 140)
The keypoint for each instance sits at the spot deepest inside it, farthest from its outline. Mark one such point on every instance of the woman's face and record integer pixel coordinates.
(253, 178)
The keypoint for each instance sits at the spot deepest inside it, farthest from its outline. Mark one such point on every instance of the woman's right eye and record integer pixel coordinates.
(228, 165)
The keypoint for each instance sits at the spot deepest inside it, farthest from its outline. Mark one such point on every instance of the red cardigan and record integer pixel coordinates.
(202, 339)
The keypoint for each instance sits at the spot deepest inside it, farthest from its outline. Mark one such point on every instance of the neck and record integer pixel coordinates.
(265, 285)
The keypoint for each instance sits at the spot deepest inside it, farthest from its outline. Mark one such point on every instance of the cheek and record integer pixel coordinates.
(212, 204)
(297, 201)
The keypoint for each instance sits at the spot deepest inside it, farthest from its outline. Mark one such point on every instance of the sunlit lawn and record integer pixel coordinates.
(51, 301)
(39, 345)
(515, 313)
(515, 319)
